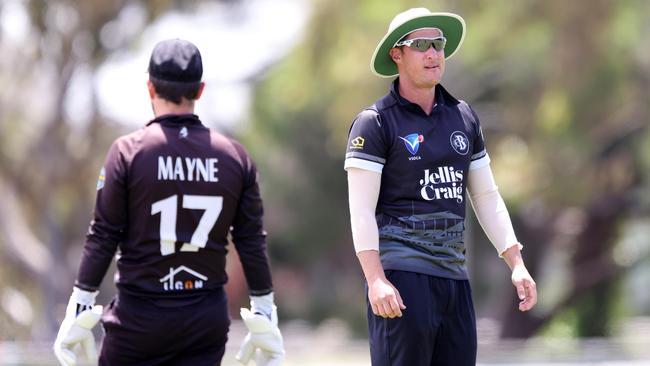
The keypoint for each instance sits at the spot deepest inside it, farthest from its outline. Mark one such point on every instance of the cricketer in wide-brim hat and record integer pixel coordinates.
(451, 25)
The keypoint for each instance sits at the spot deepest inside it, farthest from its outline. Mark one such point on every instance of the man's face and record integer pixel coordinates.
(424, 69)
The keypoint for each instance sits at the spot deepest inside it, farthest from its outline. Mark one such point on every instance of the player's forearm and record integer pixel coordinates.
(255, 263)
(490, 210)
(363, 192)
(512, 256)
(365, 235)
(366, 243)
(95, 260)
(371, 265)
(495, 221)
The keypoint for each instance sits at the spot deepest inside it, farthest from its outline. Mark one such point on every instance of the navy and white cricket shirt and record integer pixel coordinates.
(424, 161)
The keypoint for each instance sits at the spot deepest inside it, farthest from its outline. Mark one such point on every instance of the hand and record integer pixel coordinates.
(264, 339)
(384, 298)
(76, 328)
(526, 287)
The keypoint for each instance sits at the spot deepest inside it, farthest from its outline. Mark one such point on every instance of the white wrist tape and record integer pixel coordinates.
(363, 191)
(490, 209)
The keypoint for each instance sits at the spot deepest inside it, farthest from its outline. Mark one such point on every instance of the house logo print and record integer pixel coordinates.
(170, 283)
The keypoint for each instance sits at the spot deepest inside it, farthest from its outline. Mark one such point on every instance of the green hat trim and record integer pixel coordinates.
(451, 25)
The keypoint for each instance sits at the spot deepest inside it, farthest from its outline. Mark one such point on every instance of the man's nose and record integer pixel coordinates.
(431, 52)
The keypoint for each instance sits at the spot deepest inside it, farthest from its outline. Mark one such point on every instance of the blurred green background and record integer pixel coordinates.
(562, 89)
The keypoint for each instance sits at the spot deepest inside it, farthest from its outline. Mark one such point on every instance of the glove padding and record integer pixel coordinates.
(76, 329)
(264, 339)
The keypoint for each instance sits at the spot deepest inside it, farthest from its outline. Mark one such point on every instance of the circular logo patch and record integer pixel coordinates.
(459, 142)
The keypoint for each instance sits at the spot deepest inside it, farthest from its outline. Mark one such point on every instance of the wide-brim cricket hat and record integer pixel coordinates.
(451, 25)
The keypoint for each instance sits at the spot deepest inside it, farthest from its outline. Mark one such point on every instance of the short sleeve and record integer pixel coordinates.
(366, 148)
(480, 157)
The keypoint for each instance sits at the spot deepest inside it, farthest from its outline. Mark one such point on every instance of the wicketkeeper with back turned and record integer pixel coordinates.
(168, 196)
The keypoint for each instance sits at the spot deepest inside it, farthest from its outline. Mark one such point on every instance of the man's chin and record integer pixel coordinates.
(429, 84)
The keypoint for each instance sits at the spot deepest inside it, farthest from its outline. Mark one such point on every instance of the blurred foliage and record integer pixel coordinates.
(561, 89)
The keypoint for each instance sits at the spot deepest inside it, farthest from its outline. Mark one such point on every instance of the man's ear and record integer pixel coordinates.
(395, 54)
(200, 91)
(152, 89)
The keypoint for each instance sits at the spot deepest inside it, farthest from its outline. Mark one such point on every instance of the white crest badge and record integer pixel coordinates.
(183, 132)
(459, 142)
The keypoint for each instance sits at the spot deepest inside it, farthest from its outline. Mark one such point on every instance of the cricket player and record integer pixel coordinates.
(168, 196)
(413, 159)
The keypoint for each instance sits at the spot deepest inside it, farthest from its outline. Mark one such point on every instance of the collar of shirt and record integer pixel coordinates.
(443, 97)
(186, 119)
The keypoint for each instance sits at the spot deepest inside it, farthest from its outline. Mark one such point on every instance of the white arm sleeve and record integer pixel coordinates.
(490, 209)
(363, 193)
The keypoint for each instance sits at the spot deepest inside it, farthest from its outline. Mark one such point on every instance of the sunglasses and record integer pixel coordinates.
(423, 44)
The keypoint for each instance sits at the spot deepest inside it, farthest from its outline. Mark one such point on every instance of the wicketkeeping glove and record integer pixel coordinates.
(264, 339)
(81, 316)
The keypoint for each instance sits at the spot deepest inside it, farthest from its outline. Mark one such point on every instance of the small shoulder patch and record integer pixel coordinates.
(101, 179)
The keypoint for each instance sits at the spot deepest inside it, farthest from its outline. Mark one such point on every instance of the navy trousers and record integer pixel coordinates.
(137, 332)
(437, 328)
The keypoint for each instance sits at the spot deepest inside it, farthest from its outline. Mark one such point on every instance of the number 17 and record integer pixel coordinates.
(168, 209)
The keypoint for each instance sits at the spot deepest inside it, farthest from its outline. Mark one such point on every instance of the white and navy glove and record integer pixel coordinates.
(81, 316)
(263, 340)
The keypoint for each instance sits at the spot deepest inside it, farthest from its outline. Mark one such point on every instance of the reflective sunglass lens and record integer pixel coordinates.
(424, 44)
(438, 44)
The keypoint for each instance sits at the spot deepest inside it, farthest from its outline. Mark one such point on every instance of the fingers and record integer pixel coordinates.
(383, 308)
(89, 348)
(245, 351)
(375, 308)
(395, 303)
(264, 358)
(530, 299)
(64, 355)
(400, 302)
(389, 305)
(266, 349)
(521, 291)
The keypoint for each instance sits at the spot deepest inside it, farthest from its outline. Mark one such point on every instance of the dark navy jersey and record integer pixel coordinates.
(168, 196)
(424, 161)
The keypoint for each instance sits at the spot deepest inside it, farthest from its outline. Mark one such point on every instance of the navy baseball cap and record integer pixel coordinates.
(176, 60)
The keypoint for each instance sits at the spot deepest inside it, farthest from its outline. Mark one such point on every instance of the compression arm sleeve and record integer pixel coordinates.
(490, 209)
(363, 193)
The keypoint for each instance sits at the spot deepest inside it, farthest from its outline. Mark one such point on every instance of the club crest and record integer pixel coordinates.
(183, 133)
(459, 142)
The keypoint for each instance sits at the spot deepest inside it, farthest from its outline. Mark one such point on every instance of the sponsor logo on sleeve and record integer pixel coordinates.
(101, 179)
(459, 142)
(357, 142)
